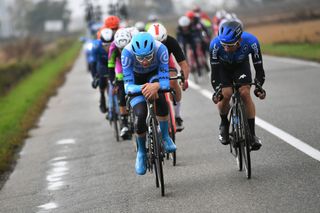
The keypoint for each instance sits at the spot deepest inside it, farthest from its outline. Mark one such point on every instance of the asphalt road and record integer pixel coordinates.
(72, 163)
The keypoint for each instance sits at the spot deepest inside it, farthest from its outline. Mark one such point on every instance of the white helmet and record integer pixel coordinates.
(158, 31)
(184, 21)
(122, 38)
(133, 31)
(106, 35)
(140, 25)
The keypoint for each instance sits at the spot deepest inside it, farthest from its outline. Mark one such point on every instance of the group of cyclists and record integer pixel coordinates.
(140, 59)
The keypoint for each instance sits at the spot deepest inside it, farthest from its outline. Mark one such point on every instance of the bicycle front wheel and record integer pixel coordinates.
(158, 156)
(245, 144)
(235, 139)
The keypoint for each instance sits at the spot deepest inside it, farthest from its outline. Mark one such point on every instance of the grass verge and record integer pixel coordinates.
(307, 51)
(21, 107)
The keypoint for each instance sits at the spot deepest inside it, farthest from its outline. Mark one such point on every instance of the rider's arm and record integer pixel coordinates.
(127, 60)
(257, 59)
(112, 57)
(163, 68)
(215, 63)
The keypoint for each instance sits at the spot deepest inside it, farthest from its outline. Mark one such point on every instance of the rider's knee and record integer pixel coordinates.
(245, 92)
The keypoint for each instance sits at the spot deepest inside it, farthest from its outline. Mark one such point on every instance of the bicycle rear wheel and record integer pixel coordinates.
(245, 144)
(158, 157)
(172, 132)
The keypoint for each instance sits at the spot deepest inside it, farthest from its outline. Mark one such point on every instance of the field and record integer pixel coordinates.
(289, 32)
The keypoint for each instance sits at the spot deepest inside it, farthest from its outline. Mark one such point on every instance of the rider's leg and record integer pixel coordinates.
(140, 111)
(102, 89)
(223, 107)
(251, 112)
(177, 89)
(123, 109)
(162, 115)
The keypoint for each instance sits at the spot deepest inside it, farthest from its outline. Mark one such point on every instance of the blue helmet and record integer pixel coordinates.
(230, 32)
(142, 44)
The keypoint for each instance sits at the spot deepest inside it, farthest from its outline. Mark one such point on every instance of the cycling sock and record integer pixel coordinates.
(177, 110)
(164, 126)
(224, 120)
(251, 123)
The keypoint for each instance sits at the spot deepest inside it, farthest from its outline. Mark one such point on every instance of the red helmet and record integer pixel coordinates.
(112, 22)
(190, 14)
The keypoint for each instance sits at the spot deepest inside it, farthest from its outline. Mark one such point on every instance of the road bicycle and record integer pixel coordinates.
(113, 113)
(239, 132)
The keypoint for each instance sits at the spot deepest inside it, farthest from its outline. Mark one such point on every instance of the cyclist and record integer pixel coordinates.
(204, 18)
(101, 53)
(121, 38)
(200, 32)
(229, 57)
(186, 37)
(159, 32)
(145, 60)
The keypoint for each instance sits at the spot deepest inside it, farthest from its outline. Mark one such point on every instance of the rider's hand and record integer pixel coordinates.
(150, 90)
(260, 93)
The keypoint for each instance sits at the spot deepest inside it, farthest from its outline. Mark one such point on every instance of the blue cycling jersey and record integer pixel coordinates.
(101, 56)
(89, 50)
(130, 66)
(248, 45)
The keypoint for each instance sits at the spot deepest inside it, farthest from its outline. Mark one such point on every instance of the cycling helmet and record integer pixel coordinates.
(184, 21)
(133, 31)
(152, 18)
(158, 31)
(230, 32)
(143, 44)
(106, 35)
(140, 25)
(122, 38)
(112, 22)
(190, 14)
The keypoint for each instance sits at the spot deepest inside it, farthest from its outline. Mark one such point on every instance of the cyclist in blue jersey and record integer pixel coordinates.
(145, 70)
(229, 57)
(101, 49)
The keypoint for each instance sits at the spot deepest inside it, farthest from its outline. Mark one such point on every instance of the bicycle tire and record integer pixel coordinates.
(234, 144)
(158, 156)
(245, 145)
(115, 119)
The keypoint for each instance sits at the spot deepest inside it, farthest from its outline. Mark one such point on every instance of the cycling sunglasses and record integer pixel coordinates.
(229, 45)
(142, 58)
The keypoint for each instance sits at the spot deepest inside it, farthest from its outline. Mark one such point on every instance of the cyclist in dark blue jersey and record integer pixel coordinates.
(229, 57)
(144, 60)
(100, 51)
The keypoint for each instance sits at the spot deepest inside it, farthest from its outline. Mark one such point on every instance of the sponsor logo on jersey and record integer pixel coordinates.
(254, 46)
(125, 61)
(164, 57)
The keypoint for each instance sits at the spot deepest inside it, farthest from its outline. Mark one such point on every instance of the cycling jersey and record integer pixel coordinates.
(174, 48)
(114, 61)
(248, 45)
(159, 63)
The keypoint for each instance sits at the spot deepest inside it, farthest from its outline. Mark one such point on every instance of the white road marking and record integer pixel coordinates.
(286, 137)
(48, 206)
(66, 141)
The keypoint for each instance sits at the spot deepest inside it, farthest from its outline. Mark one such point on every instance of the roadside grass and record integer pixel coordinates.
(21, 107)
(307, 51)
